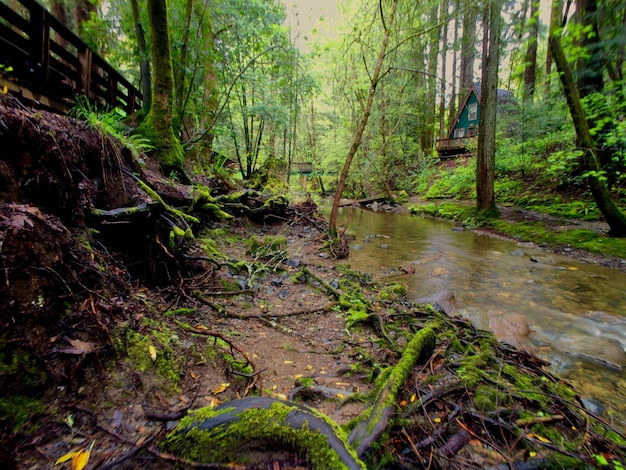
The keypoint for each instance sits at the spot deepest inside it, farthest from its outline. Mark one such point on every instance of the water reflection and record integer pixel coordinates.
(576, 312)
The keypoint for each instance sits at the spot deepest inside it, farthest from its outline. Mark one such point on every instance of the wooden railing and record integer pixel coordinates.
(43, 61)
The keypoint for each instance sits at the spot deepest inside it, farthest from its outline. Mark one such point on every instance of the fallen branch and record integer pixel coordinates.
(367, 432)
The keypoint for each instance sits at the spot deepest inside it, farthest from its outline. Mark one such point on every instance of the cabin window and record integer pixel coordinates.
(459, 133)
(471, 131)
(472, 112)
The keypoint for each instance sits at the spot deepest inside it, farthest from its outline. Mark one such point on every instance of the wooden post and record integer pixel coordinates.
(39, 35)
(84, 72)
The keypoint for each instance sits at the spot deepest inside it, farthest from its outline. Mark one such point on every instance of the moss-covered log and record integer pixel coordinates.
(223, 434)
(367, 432)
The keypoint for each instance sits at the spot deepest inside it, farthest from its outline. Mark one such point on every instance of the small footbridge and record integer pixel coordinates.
(43, 62)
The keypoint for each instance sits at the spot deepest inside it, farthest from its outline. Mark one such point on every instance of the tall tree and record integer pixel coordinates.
(530, 69)
(367, 109)
(157, 126)
(590, 159)
(468, 48)
(485, 157)
(144, 62)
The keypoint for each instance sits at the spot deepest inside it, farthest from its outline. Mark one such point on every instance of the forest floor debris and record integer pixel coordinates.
(114, 331)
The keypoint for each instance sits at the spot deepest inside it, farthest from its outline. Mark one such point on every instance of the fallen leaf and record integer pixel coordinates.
(413, 398)
(68, 456)
(153, 353)
(78, 347)
(539, 438)
(220, 388)
(213, 402)
(288, 362)
(79, 458)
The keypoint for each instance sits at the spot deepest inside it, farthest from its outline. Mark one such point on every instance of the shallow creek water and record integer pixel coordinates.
(576, 312)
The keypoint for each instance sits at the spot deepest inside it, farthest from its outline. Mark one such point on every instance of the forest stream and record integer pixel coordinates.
(575, 311)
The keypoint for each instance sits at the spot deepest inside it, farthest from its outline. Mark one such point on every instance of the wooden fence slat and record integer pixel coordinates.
(50, 59)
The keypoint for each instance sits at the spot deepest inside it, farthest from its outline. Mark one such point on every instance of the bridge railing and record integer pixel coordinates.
(40, 56)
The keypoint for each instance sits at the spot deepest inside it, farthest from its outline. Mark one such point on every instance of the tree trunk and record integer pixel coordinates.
(358, 135)
(157, 126)
(468, 49)
(530, 71)
(180, 74)
(452, 110)
(485, 159)
(443, 12)
(601, 195)
(144, 64)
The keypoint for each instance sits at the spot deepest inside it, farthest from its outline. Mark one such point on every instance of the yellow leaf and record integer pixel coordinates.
(66, 457)
(5, 89)
(572, 268)
(341, 396)
(153, 353)
(437, 420)
(288, 362)
(532, 454)
(539, 438)
(220, 388)
(413, 398)
(80, 461)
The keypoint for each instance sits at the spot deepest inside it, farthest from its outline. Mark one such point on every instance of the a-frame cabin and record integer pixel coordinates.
(464, 127)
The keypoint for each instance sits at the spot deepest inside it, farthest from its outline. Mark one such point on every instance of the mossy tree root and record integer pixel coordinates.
(221, 434)
(188, 219)
(368, 431)
(306, 274)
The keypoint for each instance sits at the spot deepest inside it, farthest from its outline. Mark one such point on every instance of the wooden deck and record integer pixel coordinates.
(451, 148)
(43, 62)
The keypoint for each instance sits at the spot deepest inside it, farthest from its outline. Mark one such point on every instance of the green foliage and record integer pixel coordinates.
(110, 122)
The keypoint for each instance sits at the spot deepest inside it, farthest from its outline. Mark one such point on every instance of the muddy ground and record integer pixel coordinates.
(115, 326)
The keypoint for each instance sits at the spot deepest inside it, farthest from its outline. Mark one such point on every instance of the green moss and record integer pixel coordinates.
(558, 462)
(181, 312)
(168, 362)
(393, 292)
(155, 196)
(223, 443)
(20, 369)
(488, 398)
(266, 246)
(17, 410)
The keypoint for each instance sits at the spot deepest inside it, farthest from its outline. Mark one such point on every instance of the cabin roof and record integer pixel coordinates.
(504, 98)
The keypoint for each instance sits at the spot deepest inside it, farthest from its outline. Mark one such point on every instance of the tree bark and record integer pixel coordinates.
(358, 135)
(590, 160)
(157, 126)
(530, 71)
(180, 74)
(145, 79)
(468, 49)
(485, 158)
(443, 12)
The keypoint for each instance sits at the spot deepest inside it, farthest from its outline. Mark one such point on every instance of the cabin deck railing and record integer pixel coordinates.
(42, 60)
(454, 144)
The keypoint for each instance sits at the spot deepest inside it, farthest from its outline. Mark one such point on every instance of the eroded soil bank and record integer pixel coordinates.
(116, 325)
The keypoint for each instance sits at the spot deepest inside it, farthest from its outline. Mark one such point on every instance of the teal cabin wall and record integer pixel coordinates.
(464, 122)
